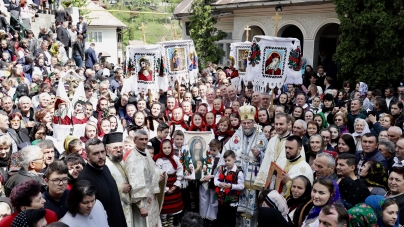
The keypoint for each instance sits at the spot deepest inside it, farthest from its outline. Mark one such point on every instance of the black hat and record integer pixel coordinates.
(328, 97)
(113, 137)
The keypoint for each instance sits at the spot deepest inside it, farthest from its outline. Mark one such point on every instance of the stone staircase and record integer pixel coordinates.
(43, 20)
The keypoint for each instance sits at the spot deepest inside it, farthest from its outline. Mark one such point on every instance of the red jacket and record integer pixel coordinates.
(50, 217)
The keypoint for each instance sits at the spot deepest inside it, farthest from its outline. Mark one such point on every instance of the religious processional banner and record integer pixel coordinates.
(145, 67)
(239, 60)
(180, 62)
(274, 61)
(198, 147)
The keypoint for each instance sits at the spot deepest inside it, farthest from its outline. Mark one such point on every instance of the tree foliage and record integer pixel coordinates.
(370, 48)
(204, 34)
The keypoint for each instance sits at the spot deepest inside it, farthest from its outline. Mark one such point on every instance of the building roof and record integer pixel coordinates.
(100, 17)
(220, 6)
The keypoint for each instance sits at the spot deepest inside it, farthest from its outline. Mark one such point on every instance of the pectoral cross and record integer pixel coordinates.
(246, 32)
(276, 18)
(143, 32)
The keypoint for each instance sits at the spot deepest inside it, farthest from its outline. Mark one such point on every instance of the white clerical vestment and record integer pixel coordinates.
(144, 177)
(275, 152)
(119, 175)
(295, 168)
(250, 164)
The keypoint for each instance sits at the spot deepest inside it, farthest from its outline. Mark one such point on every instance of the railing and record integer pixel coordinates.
(22, 30)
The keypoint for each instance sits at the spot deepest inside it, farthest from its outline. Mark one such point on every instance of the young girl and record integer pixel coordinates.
(228, 184)
(207, 201)
(263, 118)
(202, 108)
(315, 105)
(227, 112)
(224, 131)
(104, 127)
(167, 161)
(235, 121)
(210, 120)
(320, 119)
(235, 106)
(197, 123)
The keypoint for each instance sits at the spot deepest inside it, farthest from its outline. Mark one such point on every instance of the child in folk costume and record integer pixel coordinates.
(229, 184)
(167, 161)
(207, 196)
(188, 182)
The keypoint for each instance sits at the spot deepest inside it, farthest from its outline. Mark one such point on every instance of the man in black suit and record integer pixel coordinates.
(82, 29)
(91, 57)
(64, 36)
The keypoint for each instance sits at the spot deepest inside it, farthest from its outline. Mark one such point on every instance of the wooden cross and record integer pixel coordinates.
(143, 32)
(246, 34)
(276, 18)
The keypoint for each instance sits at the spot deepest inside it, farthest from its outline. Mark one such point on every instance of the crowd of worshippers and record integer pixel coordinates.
(341, 152)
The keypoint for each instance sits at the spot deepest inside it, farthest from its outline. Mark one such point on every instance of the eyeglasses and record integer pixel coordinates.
(58, 181)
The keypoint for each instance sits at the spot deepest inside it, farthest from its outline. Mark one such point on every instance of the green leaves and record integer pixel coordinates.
(204, 34)
(370, 48)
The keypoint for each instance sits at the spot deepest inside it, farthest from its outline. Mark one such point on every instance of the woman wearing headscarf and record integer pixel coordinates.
(273, 207)
(361, 127)
(177, 121)
(362, 215)
(380, 204)
(319, 200)
(300, 195)
(352, 193)
(374, 175)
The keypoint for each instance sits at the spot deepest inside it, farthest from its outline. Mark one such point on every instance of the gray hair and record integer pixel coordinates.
(398, 130)
(359, 100)
(303, 123)
(139, 133)
(390, 146)
(48, 144)
(44, 95)
(29, 154)
(330, 159)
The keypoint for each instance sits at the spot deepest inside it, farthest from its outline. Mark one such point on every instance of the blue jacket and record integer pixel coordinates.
(91, 57)
(375, 155)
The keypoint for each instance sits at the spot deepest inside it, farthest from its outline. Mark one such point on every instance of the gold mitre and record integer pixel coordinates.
(247, 112)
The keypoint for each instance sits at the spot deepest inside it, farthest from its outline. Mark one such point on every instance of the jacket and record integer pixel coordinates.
(361, 158)
(78, 49)
(60, 16)
(351, 120)
(91, 57)
(22, 176)
(63, 36)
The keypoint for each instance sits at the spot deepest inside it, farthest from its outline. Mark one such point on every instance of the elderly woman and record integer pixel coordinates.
(361, 128)
(16, 123)
(25, 196)
(341, 121)
(83, 209)
(384, 123)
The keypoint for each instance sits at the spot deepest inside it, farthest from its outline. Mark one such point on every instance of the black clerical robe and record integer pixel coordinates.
(107, 193)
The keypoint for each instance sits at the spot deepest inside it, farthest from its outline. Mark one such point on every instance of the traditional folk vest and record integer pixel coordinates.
(228, 196)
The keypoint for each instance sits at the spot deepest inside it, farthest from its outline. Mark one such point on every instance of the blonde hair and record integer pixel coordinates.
(6, 140)
(129, 139)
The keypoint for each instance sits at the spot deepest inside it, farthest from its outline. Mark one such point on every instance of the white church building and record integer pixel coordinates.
(313, 22)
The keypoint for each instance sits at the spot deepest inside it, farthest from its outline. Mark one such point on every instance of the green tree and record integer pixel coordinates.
(204, 34)
(370, 48)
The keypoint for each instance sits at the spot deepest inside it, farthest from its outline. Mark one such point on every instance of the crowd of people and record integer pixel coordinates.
(338, 149)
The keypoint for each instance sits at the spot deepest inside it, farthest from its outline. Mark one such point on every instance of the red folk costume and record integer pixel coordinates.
(167, 112)
(195, 128)
(172, 202)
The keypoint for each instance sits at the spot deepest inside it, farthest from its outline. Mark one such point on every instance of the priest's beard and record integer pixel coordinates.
(117, 158)
(248, 132)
